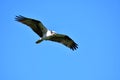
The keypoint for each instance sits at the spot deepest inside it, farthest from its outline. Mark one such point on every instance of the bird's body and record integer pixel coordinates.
(46, 34)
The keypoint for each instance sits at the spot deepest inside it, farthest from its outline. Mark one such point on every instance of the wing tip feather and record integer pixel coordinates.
(19, 18)
(74, 46)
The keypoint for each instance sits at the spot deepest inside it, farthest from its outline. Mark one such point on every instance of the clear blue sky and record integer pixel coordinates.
(93, 24)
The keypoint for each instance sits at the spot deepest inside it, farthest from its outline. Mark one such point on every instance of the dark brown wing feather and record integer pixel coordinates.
(35, 25)
(64, 39)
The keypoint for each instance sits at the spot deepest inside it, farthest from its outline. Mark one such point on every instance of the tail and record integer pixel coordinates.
(39, 41)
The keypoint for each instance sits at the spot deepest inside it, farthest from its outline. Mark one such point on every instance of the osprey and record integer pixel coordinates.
(46, 34)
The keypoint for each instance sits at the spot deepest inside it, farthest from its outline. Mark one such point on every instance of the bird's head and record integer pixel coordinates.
(53, 32)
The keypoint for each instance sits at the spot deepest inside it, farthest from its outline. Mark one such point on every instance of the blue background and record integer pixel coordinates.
(93, 24)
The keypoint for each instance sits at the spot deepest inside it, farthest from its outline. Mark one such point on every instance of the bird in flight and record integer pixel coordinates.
(46, 34)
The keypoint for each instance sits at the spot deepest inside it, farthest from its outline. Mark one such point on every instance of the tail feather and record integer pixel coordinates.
(39, 41)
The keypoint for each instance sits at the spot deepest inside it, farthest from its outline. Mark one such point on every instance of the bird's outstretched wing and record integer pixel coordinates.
(35, 25)
(64, 39)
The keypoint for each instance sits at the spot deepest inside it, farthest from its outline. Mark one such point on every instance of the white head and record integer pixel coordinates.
(49, 33)
(53, 32)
